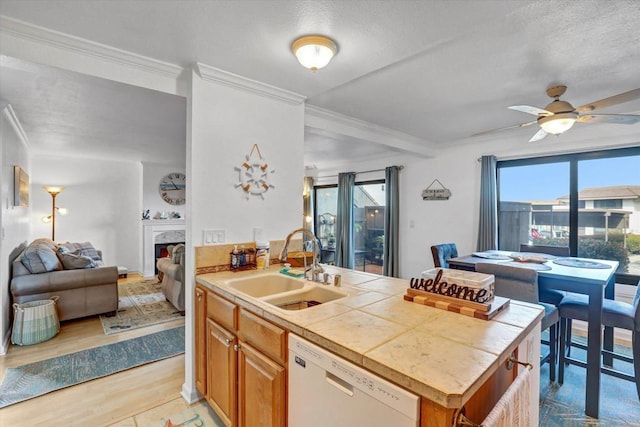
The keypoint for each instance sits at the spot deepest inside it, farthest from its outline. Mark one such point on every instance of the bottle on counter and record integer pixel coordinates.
(243, 256)
(262, 255)
(235, 257)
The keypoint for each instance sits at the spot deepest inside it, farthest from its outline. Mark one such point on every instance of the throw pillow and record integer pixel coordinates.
(40, 258)
(85, 248)
(73, 261)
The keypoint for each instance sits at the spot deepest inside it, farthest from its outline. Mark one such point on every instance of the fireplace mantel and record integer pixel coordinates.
(151, 230)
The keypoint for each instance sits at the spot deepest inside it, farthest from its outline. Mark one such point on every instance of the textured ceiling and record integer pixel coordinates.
(436, 70)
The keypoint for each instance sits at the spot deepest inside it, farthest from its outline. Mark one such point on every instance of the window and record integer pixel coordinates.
(589, 202)
(607, 204)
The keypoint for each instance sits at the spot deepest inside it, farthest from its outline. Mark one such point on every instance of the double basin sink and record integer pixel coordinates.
(285, 292)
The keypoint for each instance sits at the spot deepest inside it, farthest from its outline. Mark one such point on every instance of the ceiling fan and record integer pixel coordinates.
(559, 116)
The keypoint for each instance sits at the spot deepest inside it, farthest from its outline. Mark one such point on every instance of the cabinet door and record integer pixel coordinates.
(261, 390)
(201, 340)
(221, 372)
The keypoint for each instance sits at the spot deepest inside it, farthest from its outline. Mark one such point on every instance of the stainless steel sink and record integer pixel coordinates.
(311, 296)
(264, 285)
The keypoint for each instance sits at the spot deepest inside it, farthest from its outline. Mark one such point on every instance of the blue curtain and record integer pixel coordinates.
(488, 225)
(344, 230)
(390, 265)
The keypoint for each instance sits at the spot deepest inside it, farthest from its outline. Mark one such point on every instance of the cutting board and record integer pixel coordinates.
(459, 306)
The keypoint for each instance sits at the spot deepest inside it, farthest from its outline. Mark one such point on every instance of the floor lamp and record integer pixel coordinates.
(54, 191)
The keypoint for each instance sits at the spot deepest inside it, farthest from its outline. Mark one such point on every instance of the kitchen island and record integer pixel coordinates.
(452, 361)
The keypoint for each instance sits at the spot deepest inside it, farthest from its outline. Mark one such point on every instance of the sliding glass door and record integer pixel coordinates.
(367, 226)
(589, 202)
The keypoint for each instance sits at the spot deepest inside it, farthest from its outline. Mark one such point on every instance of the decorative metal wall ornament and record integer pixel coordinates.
(436, 193)
(254, 174)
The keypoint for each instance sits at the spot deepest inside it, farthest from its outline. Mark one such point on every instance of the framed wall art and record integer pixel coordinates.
(20, 187)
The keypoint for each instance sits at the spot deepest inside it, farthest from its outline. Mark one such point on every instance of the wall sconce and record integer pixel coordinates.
(54, 191)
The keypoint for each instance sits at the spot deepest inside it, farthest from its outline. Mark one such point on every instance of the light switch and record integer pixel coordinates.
(214, 236)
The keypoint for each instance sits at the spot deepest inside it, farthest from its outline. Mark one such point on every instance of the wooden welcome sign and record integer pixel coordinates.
(474, 302)
(441, 287)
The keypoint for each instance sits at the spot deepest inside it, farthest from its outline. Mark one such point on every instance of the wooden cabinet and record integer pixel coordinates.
(200, 339)
(221, 372)
(261, 389)
(241, 359)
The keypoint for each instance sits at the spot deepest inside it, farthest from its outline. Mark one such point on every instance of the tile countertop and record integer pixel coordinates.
(437, 354)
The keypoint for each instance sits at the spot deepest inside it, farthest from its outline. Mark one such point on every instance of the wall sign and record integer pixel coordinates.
(430, 193)
(254, 174)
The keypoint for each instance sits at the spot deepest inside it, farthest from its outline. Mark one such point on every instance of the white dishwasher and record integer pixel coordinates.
(326, 390)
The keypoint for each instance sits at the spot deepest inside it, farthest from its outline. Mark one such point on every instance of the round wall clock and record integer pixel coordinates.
(172, 188)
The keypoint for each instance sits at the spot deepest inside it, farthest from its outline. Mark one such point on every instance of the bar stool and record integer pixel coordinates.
(616, 314)
(521, 283)
(550, 296)
(442, 253)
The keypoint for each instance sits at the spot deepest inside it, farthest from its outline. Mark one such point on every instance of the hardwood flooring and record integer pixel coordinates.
(121, 399)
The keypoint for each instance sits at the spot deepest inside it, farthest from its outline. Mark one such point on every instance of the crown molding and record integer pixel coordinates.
(335, 122)
(7, 111)
(226, 78)
(45, 36)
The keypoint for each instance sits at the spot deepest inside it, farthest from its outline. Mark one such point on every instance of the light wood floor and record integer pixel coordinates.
(125, 398)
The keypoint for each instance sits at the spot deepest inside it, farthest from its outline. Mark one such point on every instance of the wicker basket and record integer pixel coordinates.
(296, 259)
(35, 321)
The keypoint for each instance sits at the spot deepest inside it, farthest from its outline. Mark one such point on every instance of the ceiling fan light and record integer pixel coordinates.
(558, 123)
(314, 52)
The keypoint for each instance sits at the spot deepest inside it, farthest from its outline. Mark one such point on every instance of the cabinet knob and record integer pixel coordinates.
(227, 342)
(236, 347)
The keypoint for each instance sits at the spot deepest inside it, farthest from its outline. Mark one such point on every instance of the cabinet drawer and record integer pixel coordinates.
(265, 336)
(222, 311)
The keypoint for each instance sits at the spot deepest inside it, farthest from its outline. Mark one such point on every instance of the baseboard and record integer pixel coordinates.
(190, 395)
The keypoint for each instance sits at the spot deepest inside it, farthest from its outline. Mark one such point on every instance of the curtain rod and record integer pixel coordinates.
(361, 172)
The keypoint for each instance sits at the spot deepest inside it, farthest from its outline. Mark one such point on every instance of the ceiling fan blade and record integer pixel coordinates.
(612, 100)
(530, 110)
(620, 119)
(521, 125)
(539, 135)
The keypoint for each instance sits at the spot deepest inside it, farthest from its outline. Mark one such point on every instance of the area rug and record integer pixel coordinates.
(563, 405)
(35, 379)
(140, 304)
(198, 415)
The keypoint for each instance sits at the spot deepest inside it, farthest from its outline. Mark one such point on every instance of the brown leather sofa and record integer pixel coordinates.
(83, 291)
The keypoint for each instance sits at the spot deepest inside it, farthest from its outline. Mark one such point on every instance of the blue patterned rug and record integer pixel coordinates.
(563, 405)
(38, 378)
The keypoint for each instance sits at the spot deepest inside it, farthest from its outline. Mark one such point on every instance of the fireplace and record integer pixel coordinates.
(163, 232)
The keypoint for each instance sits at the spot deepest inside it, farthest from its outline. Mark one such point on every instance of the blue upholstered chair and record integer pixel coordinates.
(442, 253)
(521, 284)
(616, 314)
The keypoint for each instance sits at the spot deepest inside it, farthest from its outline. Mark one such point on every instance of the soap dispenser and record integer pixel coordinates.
(235, 257)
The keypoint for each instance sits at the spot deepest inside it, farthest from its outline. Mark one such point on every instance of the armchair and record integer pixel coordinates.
(172, 269)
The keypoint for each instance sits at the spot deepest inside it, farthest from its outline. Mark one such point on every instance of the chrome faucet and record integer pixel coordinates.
(315, 268)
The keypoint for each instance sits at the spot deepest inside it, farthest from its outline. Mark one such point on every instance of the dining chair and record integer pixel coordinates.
(442, 253)
(521, 284)
(616, 314)
(550, 296)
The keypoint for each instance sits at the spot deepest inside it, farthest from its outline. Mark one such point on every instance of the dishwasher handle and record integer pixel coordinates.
(339, 383)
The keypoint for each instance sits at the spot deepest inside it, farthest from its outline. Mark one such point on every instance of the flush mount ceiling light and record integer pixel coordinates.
(314, 52)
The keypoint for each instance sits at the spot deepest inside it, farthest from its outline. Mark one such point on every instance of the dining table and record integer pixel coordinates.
(592, 277)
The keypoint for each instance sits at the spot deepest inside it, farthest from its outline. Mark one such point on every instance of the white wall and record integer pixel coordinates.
(14, 220)
(223, 123)
(104, 202)
(152, 174)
